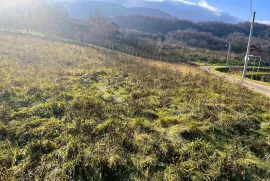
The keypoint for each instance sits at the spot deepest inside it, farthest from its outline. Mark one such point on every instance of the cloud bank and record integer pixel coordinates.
(200, 3)
(264, 22)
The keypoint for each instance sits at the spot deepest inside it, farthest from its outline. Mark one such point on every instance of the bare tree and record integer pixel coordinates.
(98, 21)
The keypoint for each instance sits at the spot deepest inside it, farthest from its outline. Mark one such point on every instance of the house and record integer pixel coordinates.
(76, 29)
(112, 28)
(255, 51)
(82, 30)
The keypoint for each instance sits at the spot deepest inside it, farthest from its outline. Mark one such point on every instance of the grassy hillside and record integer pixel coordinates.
(79, 113)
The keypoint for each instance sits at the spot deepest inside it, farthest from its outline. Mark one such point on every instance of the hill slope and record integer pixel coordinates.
(84, 9)
(191, 12)
(168, 9)
(78, 113)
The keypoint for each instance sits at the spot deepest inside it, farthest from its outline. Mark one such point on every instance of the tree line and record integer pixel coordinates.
(162, 25)
(209, 35)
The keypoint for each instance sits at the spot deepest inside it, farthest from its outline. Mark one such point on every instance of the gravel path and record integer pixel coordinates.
(265, 89)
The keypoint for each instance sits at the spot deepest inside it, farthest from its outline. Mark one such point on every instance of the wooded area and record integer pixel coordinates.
(211, 35)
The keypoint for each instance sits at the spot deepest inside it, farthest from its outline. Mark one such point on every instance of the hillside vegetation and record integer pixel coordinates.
(162, 25)
(80, 113)
(210, 35)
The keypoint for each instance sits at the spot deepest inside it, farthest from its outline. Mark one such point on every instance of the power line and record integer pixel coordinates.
(251, 8)
(249, 17)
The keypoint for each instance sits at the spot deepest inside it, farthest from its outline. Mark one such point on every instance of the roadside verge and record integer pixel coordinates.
(258, 87)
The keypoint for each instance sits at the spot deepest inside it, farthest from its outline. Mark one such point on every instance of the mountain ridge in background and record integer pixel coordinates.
(164, 9)
(191, 12)
(85, 9)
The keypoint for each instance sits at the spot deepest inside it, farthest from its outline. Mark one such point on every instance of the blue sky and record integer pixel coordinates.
(241, 8)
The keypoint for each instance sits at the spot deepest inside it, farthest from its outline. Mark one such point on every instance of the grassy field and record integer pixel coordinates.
(79, 113)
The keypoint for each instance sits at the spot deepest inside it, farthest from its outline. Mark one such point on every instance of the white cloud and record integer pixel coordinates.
(201, 3)
(264, 22)
(186, 2)
(204, 4)
(155, 0)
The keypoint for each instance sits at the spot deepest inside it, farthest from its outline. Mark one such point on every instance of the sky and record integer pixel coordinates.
(238, 8)
(241, 8)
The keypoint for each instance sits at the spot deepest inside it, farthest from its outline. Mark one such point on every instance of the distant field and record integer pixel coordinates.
(78, 113)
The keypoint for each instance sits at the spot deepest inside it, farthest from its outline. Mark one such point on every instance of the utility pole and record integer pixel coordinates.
(228, 55)
(248, 48)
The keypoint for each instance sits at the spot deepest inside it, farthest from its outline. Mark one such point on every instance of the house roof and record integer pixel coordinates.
(255, 48)
(113, 24)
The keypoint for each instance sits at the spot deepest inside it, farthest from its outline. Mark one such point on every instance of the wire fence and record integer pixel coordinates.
(255, 71)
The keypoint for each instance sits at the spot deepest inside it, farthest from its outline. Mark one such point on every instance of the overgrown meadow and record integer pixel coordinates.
(80, 113)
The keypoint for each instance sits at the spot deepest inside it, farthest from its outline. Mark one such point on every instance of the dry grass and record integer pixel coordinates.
(78, 113)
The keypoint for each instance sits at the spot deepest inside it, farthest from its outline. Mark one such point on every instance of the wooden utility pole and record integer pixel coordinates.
(248, 48)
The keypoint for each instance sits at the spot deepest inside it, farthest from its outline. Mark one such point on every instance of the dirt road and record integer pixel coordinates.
(265, 89)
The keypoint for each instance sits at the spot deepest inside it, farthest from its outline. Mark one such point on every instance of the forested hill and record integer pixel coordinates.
(162, 25)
